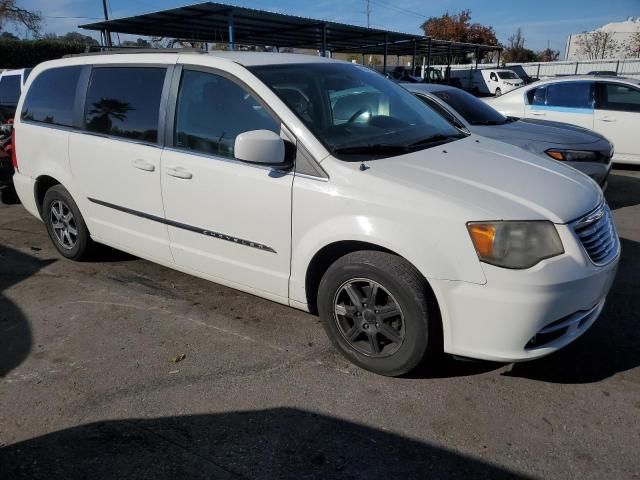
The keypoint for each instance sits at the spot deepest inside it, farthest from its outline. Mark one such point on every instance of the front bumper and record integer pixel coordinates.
(598, 171)
(525, 314)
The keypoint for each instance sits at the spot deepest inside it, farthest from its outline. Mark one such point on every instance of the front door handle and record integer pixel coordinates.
(179, 172)
(141, 164)
(538, 114)
(607, 119)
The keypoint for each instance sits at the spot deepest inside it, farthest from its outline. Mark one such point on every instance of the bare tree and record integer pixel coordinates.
(11, 13)
(597, 45)
(632, 46)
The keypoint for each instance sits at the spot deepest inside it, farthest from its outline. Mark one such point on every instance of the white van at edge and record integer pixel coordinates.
(321, 185)
(493, 81)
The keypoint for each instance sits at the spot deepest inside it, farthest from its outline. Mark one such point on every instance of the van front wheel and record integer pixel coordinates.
(498, 92)
(376, 310)
(65, 224)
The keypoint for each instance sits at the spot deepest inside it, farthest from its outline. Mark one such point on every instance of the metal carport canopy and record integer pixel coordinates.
(220, 23)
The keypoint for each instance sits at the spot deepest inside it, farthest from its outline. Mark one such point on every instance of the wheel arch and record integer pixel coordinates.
(42, 184)
(331, 252)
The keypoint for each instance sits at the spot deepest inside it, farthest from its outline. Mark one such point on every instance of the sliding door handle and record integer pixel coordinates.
(141, 164)
(179, 172)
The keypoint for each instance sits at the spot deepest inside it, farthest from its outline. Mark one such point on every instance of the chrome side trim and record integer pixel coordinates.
(184, 226)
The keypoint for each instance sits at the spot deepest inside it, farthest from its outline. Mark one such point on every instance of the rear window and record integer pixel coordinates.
(125, 102)
(51, 97)
(9, 90)
(564, 94)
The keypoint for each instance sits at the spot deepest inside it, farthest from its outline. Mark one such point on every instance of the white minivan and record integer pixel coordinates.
(321, 185)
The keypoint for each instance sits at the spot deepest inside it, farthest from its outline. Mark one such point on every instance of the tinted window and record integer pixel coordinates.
(212, 111)
(619, 97)
(474, 111)
(508, 75)
(10, 89)
(51, 97)
(438, 108)
(355, 112)
(125, 102)
(570, 94)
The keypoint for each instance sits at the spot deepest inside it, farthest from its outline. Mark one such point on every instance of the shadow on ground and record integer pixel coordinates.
(623, 190)
(277, 443)
(15, 333)
(611, 346)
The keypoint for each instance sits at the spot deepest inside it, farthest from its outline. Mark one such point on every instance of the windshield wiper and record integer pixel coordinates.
(433, 140)
(488, 122)
(374, 148)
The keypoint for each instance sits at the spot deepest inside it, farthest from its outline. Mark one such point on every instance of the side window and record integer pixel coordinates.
(51, 96)
(614, 96)
(570, 94)
(440, 110)
(493, 77)
(125, 102)
(212, 111)
(10, 89)
(537, 96)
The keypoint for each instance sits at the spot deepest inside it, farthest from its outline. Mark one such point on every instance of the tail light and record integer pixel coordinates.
(14, 157)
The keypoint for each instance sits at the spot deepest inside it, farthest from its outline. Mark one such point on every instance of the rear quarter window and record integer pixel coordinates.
(51, 96)
(10, 90)
(125, 102)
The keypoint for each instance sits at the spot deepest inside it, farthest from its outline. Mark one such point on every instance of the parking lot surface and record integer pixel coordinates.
(120, 368)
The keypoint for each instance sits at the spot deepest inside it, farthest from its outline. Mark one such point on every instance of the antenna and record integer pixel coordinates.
(368, 12)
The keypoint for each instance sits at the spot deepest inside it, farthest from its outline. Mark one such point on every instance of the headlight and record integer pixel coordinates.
(512, 244)
(572, 155)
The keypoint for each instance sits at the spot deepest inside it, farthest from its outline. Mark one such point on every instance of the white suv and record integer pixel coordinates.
(321, 185)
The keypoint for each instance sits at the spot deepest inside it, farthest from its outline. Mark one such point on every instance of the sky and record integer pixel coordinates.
(542, 21)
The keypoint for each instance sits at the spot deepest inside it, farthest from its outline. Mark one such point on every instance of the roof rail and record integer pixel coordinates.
(125, 50)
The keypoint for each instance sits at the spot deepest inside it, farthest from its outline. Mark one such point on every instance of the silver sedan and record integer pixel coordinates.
(578, 147)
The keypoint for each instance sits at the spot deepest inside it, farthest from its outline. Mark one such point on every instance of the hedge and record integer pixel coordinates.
(29, 53)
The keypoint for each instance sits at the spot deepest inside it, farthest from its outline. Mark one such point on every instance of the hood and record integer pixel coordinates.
(549, 133)
(501, 180)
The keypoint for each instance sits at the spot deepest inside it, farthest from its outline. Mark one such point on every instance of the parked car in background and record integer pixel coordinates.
(609, 106)
(321, 185)
(11, 83)
(605, 73)
(578, 147)
(487, 81)
(7, 192)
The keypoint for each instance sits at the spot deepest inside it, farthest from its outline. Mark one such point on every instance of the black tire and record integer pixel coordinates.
(402, 285)
(498, 92)
(78, 249)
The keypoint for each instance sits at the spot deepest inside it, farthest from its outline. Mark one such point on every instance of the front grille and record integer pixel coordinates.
(598, 235)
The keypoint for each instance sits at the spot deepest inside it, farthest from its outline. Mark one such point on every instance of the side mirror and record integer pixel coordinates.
(262, 147)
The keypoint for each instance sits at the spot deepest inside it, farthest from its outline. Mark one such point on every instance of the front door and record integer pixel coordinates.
(227, 219)
(116, 162)
(617, 117)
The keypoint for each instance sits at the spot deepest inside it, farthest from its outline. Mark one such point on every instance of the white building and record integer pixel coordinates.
(621, 33)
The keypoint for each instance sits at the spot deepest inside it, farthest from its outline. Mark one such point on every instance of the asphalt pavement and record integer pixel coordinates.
(120, 368)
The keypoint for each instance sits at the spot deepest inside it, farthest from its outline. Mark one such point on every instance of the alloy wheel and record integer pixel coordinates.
(369, 318)
(63, 224)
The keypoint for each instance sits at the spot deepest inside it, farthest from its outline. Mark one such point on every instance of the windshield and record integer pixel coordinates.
(355, 112)
(508, 75)
(474, 111)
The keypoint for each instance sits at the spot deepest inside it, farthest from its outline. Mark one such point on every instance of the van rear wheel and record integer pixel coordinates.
(65, 224)
(376, 310)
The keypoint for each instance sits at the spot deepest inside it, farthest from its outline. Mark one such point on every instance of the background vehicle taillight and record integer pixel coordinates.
(14, 158)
